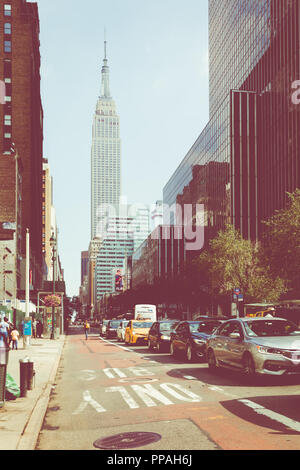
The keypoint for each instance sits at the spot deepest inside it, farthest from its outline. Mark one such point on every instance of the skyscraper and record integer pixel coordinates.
(106, 152)
(254, 126)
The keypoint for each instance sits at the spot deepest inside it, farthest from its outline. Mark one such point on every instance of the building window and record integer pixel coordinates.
(7, 135)
(7, 9)
(7, 120)
(7, 28)
(7, 46)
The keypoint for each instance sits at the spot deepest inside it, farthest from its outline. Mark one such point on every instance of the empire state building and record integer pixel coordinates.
(106, 152)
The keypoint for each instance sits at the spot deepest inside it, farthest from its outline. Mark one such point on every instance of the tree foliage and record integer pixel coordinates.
(232, 262)
(282, 241)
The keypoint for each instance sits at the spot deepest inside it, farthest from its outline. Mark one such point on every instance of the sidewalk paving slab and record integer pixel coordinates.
(22, 419)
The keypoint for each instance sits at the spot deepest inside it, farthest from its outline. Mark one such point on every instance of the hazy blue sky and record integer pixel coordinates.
(158, 58)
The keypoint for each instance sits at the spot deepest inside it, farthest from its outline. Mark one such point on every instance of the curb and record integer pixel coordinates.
(32, 428)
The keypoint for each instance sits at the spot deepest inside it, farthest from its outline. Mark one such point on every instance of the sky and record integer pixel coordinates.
(158, 57)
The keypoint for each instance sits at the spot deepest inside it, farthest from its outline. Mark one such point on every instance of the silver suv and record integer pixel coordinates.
(256, 346)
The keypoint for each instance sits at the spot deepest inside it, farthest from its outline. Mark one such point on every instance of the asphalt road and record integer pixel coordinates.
(104, 389)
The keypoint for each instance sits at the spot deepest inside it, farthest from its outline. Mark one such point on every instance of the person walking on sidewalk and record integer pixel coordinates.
(34, 325)
(14, 337)
(4, 331)
(39, 329)
(86, 329)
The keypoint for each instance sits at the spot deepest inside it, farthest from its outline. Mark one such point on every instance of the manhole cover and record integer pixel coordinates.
(127, 440)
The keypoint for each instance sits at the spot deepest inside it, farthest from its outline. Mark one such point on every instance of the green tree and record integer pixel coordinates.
(282, 241)
(232, 262)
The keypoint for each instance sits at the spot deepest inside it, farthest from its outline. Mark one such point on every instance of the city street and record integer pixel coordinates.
(103, 389)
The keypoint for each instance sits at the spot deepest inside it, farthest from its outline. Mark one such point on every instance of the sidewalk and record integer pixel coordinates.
(21, 419)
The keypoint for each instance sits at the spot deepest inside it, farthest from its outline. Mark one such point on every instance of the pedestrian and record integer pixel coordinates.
(15, 337)
(39, 329)
(10, 328)
(34, 325)
(86, 329)
(4, 331)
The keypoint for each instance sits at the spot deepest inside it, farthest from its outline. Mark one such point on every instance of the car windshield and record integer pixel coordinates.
(271, 328)
(208, 327)
(141, 324)
(194, 327)
(114, 324)
(167, 326)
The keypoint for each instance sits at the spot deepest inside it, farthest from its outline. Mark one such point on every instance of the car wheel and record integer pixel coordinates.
(248, 366)
(189, 353)
(173, 351)
(211, 359)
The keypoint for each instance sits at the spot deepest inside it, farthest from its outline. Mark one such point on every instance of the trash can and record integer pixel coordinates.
(4, 353)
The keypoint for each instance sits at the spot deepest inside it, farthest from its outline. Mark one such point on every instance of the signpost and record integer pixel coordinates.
(237, 298)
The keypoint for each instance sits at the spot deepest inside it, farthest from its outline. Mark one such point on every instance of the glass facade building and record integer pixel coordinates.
(252, 138)
(160, 257)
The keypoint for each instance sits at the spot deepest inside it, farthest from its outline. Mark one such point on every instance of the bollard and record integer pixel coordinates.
(30, 375)
(23, 377)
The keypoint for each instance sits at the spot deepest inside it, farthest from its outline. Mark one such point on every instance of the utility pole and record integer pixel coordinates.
(53, 245)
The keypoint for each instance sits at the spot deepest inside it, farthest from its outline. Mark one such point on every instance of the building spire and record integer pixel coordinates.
(105, 93)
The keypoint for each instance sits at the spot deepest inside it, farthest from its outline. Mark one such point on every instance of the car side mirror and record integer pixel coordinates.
(235, 335)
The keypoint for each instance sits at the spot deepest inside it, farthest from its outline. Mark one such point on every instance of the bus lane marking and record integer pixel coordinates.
(88, 400)
(146, 392)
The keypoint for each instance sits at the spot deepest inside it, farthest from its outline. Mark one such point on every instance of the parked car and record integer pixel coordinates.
(111, 328)
(137, 331)
(159, 335)
(189, 337)
(256, 346)
(121, 330)
(103, 326)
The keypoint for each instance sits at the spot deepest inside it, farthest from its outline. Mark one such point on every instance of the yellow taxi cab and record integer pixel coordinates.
(137, 331)
(262, 313)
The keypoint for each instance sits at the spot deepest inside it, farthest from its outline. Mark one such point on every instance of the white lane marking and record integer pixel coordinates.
(88, 400)
(214, 388)
(111, 371)
(145, 392)
(125, 395)
(115, 344)
(289, 423)
(140, 371)
(191, 397)
(189, 377)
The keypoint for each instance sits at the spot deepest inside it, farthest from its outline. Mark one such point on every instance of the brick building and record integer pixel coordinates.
(21, 124)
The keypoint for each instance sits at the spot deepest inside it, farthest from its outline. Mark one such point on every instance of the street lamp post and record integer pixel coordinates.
(53, 246)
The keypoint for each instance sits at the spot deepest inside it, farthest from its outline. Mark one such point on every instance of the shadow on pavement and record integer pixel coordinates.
(285, 406)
